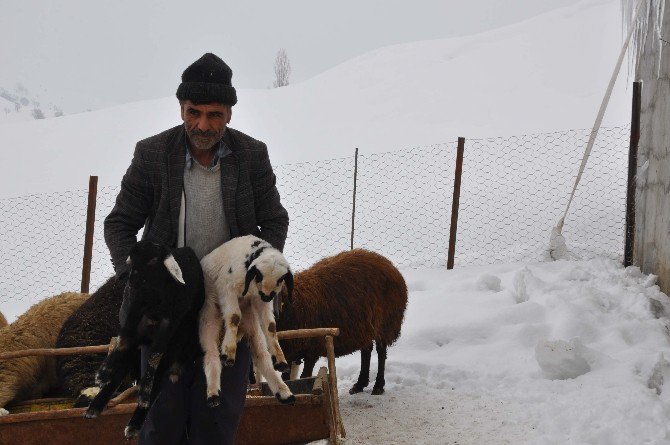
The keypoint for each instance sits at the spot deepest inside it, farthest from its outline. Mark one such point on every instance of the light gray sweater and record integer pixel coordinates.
(202, 222)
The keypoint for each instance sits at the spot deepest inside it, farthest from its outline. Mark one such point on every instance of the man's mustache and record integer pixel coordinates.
(201, 133)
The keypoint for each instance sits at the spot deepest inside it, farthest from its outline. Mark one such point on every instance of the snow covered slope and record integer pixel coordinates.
(547, 73)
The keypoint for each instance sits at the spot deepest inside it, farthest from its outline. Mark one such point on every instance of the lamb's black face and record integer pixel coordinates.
(145, 261)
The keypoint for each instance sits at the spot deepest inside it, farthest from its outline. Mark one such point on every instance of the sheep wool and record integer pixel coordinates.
(358, 291)
(31, 377)
(94, 323)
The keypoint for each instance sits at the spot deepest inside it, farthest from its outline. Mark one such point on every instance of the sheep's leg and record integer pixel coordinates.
(209, 332)
(292, 373)
(269, 328)
(252, 374)
(140, 413)
(381, 365)
(165, 331)
(308, 369)
(232, 316)
(114, 358)
(116, 375)
(364, 375)
(262, 360)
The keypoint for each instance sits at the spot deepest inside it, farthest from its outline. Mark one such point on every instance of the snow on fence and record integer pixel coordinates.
(513, 191)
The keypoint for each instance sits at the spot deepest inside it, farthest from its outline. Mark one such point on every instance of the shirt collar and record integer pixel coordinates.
(221, 152)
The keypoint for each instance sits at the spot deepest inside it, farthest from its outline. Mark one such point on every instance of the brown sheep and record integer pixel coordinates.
(358, 291)
(31, 377)
(3, 321)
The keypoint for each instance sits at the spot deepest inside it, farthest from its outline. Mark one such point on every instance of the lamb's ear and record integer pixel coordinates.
(251, 274)
(174, 269)
(288, 279)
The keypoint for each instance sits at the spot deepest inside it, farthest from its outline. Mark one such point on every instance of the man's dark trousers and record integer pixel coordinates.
(180, 414)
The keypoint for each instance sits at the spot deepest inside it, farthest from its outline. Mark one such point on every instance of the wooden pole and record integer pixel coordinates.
(632, 171)
(305, 333)
(353, 206)
(125, 395)
(454, 203)
(80, 350)
(332, 382)
(90, 226)
(85, 350)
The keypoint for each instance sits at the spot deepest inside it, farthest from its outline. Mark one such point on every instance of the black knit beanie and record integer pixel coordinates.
(206, 81)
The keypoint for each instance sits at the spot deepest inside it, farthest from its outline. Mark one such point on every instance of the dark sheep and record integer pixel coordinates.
(358, 291)
(165, 294)
(94, 323)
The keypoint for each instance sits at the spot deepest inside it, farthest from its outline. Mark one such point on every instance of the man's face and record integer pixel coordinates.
(205, 124)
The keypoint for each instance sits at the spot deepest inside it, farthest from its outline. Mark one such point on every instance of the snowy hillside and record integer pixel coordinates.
(545, 74)
(20, 105)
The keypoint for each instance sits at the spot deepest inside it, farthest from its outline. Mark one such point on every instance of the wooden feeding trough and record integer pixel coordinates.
(314, 416)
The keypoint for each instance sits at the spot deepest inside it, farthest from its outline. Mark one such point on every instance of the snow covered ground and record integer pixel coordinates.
(566, 352)
(518, 352)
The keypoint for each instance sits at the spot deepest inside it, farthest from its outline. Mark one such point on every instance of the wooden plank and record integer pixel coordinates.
(84, 350)
(332, 376)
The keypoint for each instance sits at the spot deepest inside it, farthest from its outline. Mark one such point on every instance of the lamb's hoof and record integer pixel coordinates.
(356, 389)
(282, 367)
(228, 362)
(377, 391)
(213, 401)
(290, 400)
(91, 413)
(130, 431)
(82, 401)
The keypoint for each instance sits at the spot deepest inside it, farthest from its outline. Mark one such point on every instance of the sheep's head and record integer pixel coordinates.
(269, 273)
(149, 262)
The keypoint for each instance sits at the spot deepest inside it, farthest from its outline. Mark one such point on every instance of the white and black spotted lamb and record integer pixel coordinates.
(242, 278)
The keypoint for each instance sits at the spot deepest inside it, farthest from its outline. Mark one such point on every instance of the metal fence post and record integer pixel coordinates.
(454, 203)
(353, 206)
(632, 170)
(88, 241)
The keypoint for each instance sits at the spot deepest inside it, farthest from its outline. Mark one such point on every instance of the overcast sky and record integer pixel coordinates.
(83, 54)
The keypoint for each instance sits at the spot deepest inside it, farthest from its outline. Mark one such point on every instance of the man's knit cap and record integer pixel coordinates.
(206, 81)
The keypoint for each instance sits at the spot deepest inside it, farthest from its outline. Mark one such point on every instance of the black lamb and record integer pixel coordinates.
(165, 295)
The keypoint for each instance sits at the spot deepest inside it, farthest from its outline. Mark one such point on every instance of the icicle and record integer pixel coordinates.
(557, 237)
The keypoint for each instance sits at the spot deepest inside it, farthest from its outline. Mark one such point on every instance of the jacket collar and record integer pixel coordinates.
(176, 162)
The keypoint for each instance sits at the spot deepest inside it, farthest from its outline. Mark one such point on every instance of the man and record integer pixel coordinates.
(198, 184)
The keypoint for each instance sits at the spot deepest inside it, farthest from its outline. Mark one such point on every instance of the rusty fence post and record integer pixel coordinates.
(632, 171)
(454, 203)
(90, 226)
(353, 206)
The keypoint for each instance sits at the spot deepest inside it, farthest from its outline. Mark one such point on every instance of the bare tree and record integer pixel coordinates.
(37, 113)
(282, 69)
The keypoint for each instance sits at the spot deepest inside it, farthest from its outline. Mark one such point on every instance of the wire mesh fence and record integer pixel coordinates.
(513, 192)
(515, 189)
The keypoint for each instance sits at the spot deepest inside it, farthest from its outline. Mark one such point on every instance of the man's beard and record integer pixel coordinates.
(204, 140)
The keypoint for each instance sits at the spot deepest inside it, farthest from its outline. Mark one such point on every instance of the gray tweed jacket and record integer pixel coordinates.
(151, 191)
